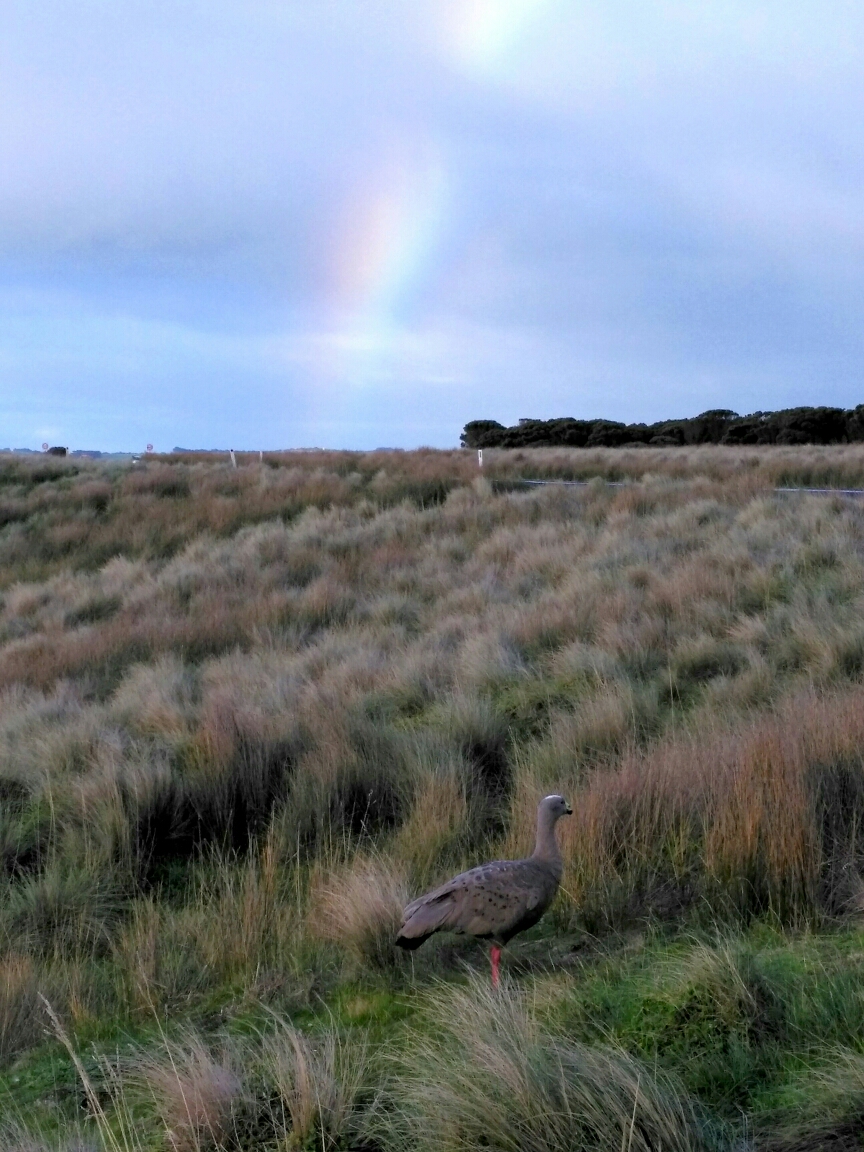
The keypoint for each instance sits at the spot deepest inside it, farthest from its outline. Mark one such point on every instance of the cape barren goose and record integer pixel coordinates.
(493, 901)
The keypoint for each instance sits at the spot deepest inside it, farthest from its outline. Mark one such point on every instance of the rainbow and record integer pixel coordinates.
(395, 225)
(387, 246)
(390, 238)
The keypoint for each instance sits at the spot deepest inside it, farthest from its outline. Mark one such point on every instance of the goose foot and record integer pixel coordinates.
(495, 954)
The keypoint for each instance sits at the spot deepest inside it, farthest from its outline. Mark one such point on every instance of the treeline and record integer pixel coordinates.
(717, 426)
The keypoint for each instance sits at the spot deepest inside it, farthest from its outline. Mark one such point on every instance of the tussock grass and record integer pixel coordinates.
(489, 1075)
(15, 1138)
(276, 1089)
(762, 818)
(18, 1003)
(359, 908)
(195, 1094)
(823, 1107)
(245, 714)
(449, 816)
(58, 912)
(322, 1087)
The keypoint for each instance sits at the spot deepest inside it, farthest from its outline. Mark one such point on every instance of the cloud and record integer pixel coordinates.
(383, 220)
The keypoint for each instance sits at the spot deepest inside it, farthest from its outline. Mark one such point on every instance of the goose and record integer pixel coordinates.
(497, 900)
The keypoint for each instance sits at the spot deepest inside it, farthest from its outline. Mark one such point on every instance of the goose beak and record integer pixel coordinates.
(568, 810)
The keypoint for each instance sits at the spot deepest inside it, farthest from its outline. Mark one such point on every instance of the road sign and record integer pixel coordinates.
(149, 447)
(45, 446)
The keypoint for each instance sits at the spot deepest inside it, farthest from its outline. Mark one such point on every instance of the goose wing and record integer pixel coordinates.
(493, 900)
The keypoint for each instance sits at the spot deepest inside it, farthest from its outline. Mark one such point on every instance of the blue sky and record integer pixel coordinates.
(359, 223)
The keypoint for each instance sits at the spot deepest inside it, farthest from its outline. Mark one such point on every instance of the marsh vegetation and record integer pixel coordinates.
(246, 713)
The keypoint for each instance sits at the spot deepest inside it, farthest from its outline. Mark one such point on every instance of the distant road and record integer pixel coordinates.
(626, 483)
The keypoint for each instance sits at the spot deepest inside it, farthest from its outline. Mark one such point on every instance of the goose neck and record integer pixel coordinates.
(546, 849)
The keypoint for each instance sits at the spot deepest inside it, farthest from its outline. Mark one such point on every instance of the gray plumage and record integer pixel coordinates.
(493, 901)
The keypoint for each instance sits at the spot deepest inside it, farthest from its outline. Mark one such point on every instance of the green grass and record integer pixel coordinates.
(744, 1023)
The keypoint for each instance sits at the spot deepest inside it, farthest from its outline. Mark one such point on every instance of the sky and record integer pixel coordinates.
(359, 223)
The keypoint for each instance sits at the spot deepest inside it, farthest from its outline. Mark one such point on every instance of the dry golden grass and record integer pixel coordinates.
(359, 908)
(195, 1094)
(439, 825)
(19, 1023)
(589, 618)
(61, 515)
(762, 817)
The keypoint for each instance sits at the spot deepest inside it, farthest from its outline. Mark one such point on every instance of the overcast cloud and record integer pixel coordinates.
(363, 223)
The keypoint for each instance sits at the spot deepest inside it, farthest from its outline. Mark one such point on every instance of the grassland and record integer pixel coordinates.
(245, 713)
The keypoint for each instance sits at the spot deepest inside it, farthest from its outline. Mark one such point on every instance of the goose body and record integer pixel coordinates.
(497, 900)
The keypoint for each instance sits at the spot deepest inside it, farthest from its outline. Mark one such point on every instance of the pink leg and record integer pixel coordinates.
(495, 953)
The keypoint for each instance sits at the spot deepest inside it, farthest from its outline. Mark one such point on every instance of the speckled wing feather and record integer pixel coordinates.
(494, 901)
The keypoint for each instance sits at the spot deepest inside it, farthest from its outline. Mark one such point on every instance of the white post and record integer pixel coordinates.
(260, 456)
(479, 457)
(233, 458)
